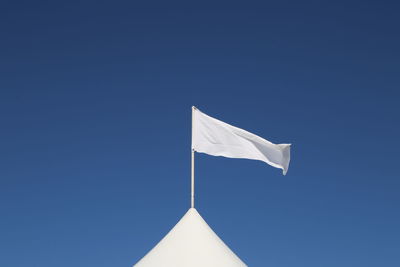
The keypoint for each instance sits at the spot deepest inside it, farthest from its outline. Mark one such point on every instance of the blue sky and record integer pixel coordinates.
(95, 102)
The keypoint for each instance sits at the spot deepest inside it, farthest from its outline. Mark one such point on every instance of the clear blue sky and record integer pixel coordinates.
(95, 102)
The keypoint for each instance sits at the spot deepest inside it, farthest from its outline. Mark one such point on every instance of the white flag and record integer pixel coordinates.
(217, 138)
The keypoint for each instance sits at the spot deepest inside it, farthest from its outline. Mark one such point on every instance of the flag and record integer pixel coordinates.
(217, 138)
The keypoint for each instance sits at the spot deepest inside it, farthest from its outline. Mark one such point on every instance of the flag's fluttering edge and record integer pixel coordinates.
(217, 138)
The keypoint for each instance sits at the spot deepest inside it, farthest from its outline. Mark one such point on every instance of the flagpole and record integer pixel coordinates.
(192, 172)
(192, 178)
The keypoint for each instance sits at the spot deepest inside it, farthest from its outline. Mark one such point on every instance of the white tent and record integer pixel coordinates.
(191, 243)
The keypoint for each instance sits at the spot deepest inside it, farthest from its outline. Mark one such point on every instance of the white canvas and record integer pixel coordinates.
(191, 243)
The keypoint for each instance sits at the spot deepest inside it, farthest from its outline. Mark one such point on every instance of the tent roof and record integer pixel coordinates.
(191, 243)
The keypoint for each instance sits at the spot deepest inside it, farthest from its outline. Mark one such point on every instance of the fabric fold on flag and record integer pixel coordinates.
(217, 138)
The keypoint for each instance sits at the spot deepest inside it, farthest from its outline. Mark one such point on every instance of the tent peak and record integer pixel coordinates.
(191, 243)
